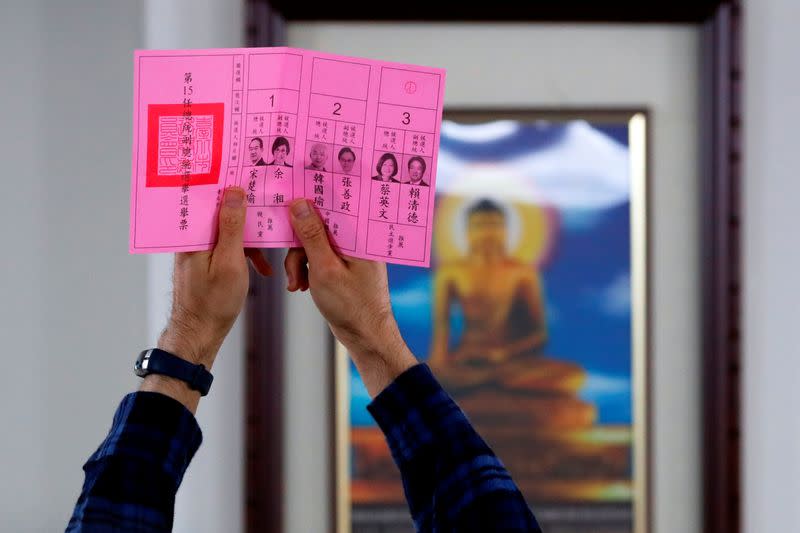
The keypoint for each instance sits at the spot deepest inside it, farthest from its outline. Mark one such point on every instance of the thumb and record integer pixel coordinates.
(311, 232)
(232, 214)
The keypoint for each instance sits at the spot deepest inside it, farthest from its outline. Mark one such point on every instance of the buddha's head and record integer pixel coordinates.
(486, 228)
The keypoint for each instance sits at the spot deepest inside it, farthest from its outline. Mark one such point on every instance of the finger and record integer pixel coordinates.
(260, 262)
(232, 214)
(296, 265)
(311, 232)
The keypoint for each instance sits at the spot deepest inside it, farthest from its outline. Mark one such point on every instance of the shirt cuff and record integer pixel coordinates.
(411, 410)
(152, 427)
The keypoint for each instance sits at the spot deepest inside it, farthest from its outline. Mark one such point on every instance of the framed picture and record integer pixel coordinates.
(533, 316)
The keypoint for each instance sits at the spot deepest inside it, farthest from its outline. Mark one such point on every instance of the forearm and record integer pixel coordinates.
(177, 339)
(173, 388)
(132, 478)
(453, 480)
(382, 359)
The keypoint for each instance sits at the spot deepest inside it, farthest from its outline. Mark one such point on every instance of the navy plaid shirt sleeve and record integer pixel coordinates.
(452, 480)
(132, 478)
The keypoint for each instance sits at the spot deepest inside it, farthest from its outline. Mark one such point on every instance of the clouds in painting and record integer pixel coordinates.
(581, 168)
(611, 394)
(615, 298)
(480, 133)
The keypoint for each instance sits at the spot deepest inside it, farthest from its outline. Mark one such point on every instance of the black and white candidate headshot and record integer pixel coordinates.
(280, 151)
(256, 149)
(347, 158)
(416, 171)
(317, 157)
(387, 168)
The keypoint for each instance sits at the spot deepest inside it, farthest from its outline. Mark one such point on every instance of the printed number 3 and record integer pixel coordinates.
(336, 108)
(406, 118)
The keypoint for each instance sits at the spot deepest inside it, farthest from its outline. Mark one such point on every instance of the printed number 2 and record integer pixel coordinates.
(406, 118)
(272, 100)
(336, 108)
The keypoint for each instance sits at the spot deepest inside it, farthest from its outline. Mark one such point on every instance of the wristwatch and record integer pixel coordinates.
(155, 361)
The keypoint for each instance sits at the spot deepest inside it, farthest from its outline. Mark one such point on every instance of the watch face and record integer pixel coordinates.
(141, 364)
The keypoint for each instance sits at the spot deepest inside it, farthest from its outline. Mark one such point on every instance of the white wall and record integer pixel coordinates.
(73, 305)
(22, 405)
(306, 428)
(554, 65)
(771, 256)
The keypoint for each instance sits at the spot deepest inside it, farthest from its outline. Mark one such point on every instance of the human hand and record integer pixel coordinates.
(467, 354)
(352, 295)
(498, 354)
(209, 287)
(481, 354)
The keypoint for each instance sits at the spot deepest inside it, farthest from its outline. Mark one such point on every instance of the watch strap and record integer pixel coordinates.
(157, 361)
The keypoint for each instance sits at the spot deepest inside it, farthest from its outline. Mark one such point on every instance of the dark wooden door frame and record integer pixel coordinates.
(721, 223)
(264, 397)
(721, 79)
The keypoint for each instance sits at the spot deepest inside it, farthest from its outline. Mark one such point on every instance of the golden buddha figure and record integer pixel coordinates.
(505, 324)
(523, 402)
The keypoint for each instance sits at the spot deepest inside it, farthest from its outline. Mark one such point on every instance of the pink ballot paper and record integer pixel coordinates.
(359, 138)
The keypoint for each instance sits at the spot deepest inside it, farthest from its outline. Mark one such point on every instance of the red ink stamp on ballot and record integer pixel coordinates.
(167, 153)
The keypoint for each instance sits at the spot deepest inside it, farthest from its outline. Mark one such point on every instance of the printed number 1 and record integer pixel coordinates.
(272, 100)
(406, 118)
(336, 108)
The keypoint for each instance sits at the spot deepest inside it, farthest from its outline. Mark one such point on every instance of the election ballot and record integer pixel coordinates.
(357, 137)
